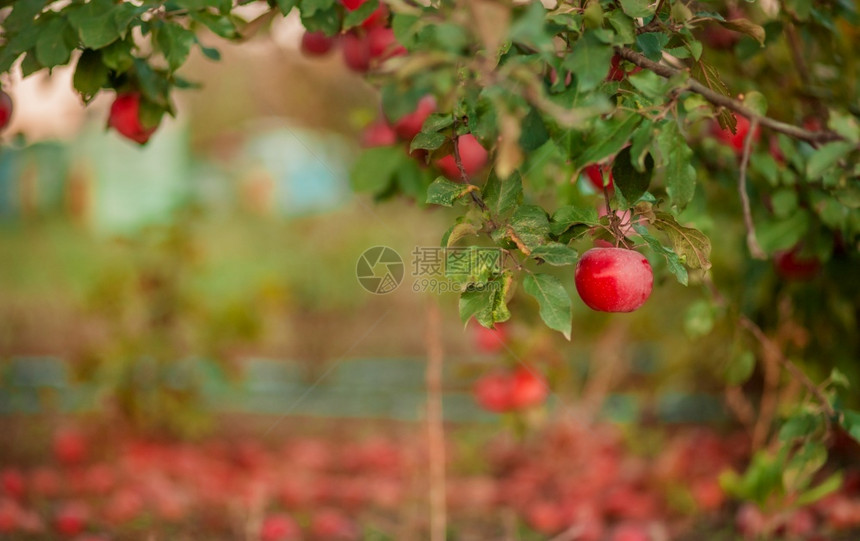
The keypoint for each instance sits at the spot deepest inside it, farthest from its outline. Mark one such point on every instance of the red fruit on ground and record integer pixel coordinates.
(735, 140)
(493, 392)
(279, 527)
(5, 109)
(790, 265)
(125, 118)
(613, 279)
(528, 388)
(383, 44)
(490, 340)
(333, 525)
(316, 43)
(70, 446)
(356, 52)
(595, 175)
(13, 483)
(409, 125)
(472, 155)
(71, 519)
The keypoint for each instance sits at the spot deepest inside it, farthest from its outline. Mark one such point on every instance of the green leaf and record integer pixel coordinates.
(530, 28)
(175, 43)
(678, 172)
(530, 225)
(822, 489)
(357, 16)
(90, 74)
(776, 235)
(553, 299)
(589, 61)
(556, 254)
(710, 77)
(638, 8)
(851, 423)
(502, 196)
(286, 5)
(95, 23)
(652, 44)
(826, 157)
(672, 259)
(799, 426)
(220, 25)
(640, 143)
(631, 183)
(699, 319)
(52, 47)
(533, 132)
(445, 192)
(693, 246)
(624, 26)
(374, 170)
(437, 122)
(486, 302)
(566, 217)
(740, 367)
(607, 138)
(756, 101)
(117, 56)
(458, 232)
(427, 141)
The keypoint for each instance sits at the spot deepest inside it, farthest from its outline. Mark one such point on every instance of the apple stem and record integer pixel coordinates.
(752, 242)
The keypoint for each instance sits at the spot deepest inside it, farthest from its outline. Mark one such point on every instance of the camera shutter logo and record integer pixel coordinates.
(380, 270)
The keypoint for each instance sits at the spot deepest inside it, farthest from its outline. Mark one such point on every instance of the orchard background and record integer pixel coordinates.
(666, 347)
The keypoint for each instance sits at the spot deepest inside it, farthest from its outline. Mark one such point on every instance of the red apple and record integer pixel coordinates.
(10, 515)
(383, 44)
(12, 482)
(408, 126)
(719, 37)
(71, 518)
(735, 140)
(123, 506)
(5, 109)
(790, 265)
(352, 5)
(316, 44)
(45, 482)
(70, 446)
(491, 340)
(330, 524)
(125, 118)
(750, 521)
(472, 155)
(378, 134)
(708, 494)
(356, 52)
(493, 392)
(545, 517)
(613, 279)
(379, 17)
(279, 527)
(528, 388)
(630, 531)
(595, 174)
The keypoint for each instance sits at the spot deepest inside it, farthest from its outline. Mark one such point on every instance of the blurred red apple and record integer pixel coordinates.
(490, 340)
(279, 527)
(528, 388)
(330, 524)
(13, 483)
(383, 44)
(629, 531)
(356, 52)
(493, 392)
(378, 134)
(10, 515)
(613, 279)
(750, 521)
(790, 265)
(545, 517)
(472, 155)
(316, 44)
(408, 126)
(596, 173)
(616, 71)
(71, 518)
(735, 140)
(45, 482)
(5, 110)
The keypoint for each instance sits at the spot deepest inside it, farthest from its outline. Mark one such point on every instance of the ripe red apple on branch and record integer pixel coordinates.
(613, 279)
(125, 118)
(316, 44)
(596, 174)
(408, 126)
(473, 156)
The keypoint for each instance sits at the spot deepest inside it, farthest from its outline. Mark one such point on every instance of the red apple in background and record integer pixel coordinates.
(279, 527)
(10, 515)
(613, 279)
(125, 118)
(408, 126)
(545, 517)
(790, 265)
(333, 525)
(12, 482)
(750, 521)
(472, 155)
(356, 52)
(70, 446)
(5, 109)
(776, 152)
(378, 134)
(71, 518)
(379, 17)
(352, 5)
(717, 36)
(528, 388)
(491, 340)
(595, 174)
(616, 71)
(316, 43)
(493, 392)
(45, 482)
(383, 44)
(629, 531)
(735, 140)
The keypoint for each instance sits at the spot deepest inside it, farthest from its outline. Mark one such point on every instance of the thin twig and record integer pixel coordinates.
(465, 178)
(752, 242)
(724, 101)
(792, 368)
(435, 421)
